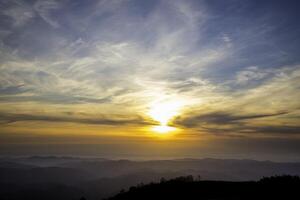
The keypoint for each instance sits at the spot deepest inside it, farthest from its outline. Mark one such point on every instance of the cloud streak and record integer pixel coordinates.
(118, 57)
(222, 118)
(10, 118)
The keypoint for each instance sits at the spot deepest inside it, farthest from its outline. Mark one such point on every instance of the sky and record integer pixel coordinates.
(150, 78)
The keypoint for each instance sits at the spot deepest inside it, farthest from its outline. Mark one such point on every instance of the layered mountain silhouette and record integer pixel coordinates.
(70, 178)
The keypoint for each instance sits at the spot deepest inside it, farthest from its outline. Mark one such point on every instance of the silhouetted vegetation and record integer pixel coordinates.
(185, 187)
(70, 178)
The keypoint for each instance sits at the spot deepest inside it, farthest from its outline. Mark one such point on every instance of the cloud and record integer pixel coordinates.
(105, 66)
(251, 74)
(248, 130)
(269, 107)
(54, 98)
(20, 13)
(44, 8)
(10, 90)
(10, 118)
(124, 55)
(222, 118)
(232, 124)
(273, 129)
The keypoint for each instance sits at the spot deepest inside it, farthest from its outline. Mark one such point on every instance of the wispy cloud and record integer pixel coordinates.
(126, 54)
(223, 118)
(100, 120)
(19, 12)
(44, 8)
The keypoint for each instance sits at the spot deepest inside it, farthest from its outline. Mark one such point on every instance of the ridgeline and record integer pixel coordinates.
(276, 187)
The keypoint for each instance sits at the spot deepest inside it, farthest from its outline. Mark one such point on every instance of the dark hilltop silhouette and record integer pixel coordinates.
(277, 187)
(74, 178)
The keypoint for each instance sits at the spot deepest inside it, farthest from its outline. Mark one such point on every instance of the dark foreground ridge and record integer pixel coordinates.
(70, 178)
(276, 187)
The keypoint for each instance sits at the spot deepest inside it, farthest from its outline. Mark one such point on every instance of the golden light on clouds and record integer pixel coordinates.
(94, 76)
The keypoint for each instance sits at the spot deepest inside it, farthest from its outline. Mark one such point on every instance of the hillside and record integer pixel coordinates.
(69, 178)
(279, 187)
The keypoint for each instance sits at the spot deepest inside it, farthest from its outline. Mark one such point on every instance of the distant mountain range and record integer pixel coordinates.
(95, 178)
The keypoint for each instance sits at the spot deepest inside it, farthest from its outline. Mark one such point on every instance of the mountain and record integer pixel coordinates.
(52, 177)
(280, 187)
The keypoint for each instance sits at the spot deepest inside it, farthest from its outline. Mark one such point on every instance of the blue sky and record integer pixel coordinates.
(224, 69)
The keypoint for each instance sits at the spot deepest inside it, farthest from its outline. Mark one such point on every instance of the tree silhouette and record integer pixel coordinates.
(186, 187)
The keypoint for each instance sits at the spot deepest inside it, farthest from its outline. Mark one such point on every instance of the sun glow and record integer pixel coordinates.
(163, 129)
(164, 112)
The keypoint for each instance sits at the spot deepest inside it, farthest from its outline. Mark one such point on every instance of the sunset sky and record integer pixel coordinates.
(150, 78)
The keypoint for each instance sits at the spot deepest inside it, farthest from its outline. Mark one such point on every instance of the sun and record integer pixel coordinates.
(163, 129)
(164, 112)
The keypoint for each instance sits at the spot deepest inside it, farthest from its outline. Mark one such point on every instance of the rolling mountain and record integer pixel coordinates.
(95, 178)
